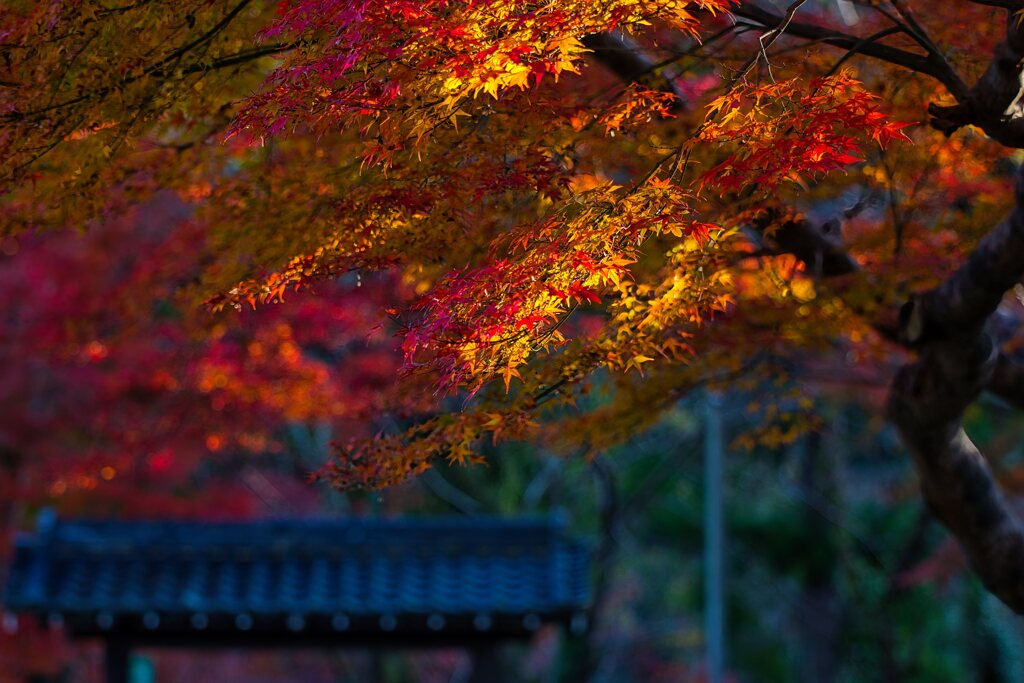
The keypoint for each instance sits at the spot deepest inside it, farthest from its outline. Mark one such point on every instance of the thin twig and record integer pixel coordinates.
(771, 36)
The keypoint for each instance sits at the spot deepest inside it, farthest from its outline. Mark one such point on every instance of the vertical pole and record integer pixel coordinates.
(117, 661)
(714, 608)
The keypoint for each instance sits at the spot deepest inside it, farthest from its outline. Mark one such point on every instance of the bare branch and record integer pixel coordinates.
(920, 63)
(857, 49)
(766, 40)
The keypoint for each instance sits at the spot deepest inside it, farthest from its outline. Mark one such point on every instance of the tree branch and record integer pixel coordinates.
(627, 60)
(766, 40)
(819, 248)
(1004, 4)
(620, 54)
(203, 39)
(994, 103)
(927, 65)
(969, 296)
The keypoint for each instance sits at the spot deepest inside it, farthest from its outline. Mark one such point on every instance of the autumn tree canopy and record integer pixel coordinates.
(640, 198)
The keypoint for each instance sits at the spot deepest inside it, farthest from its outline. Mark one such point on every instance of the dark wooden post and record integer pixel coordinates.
(117, 661)
(486, 667)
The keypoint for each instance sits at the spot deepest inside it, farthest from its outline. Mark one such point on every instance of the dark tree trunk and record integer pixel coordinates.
(928, 398)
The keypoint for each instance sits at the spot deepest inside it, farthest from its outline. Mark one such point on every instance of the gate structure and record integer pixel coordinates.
(469, 583)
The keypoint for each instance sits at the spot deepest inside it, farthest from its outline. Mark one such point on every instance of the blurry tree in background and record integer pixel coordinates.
(110, 382)
(574, 215)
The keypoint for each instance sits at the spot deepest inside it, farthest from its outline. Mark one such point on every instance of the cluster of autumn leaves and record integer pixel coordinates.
(549, 227)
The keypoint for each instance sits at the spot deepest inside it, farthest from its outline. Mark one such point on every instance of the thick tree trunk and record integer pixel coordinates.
(928, 398)
(958, 359)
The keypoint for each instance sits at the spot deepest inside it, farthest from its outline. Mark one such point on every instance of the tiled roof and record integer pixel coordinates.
(367, 575)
